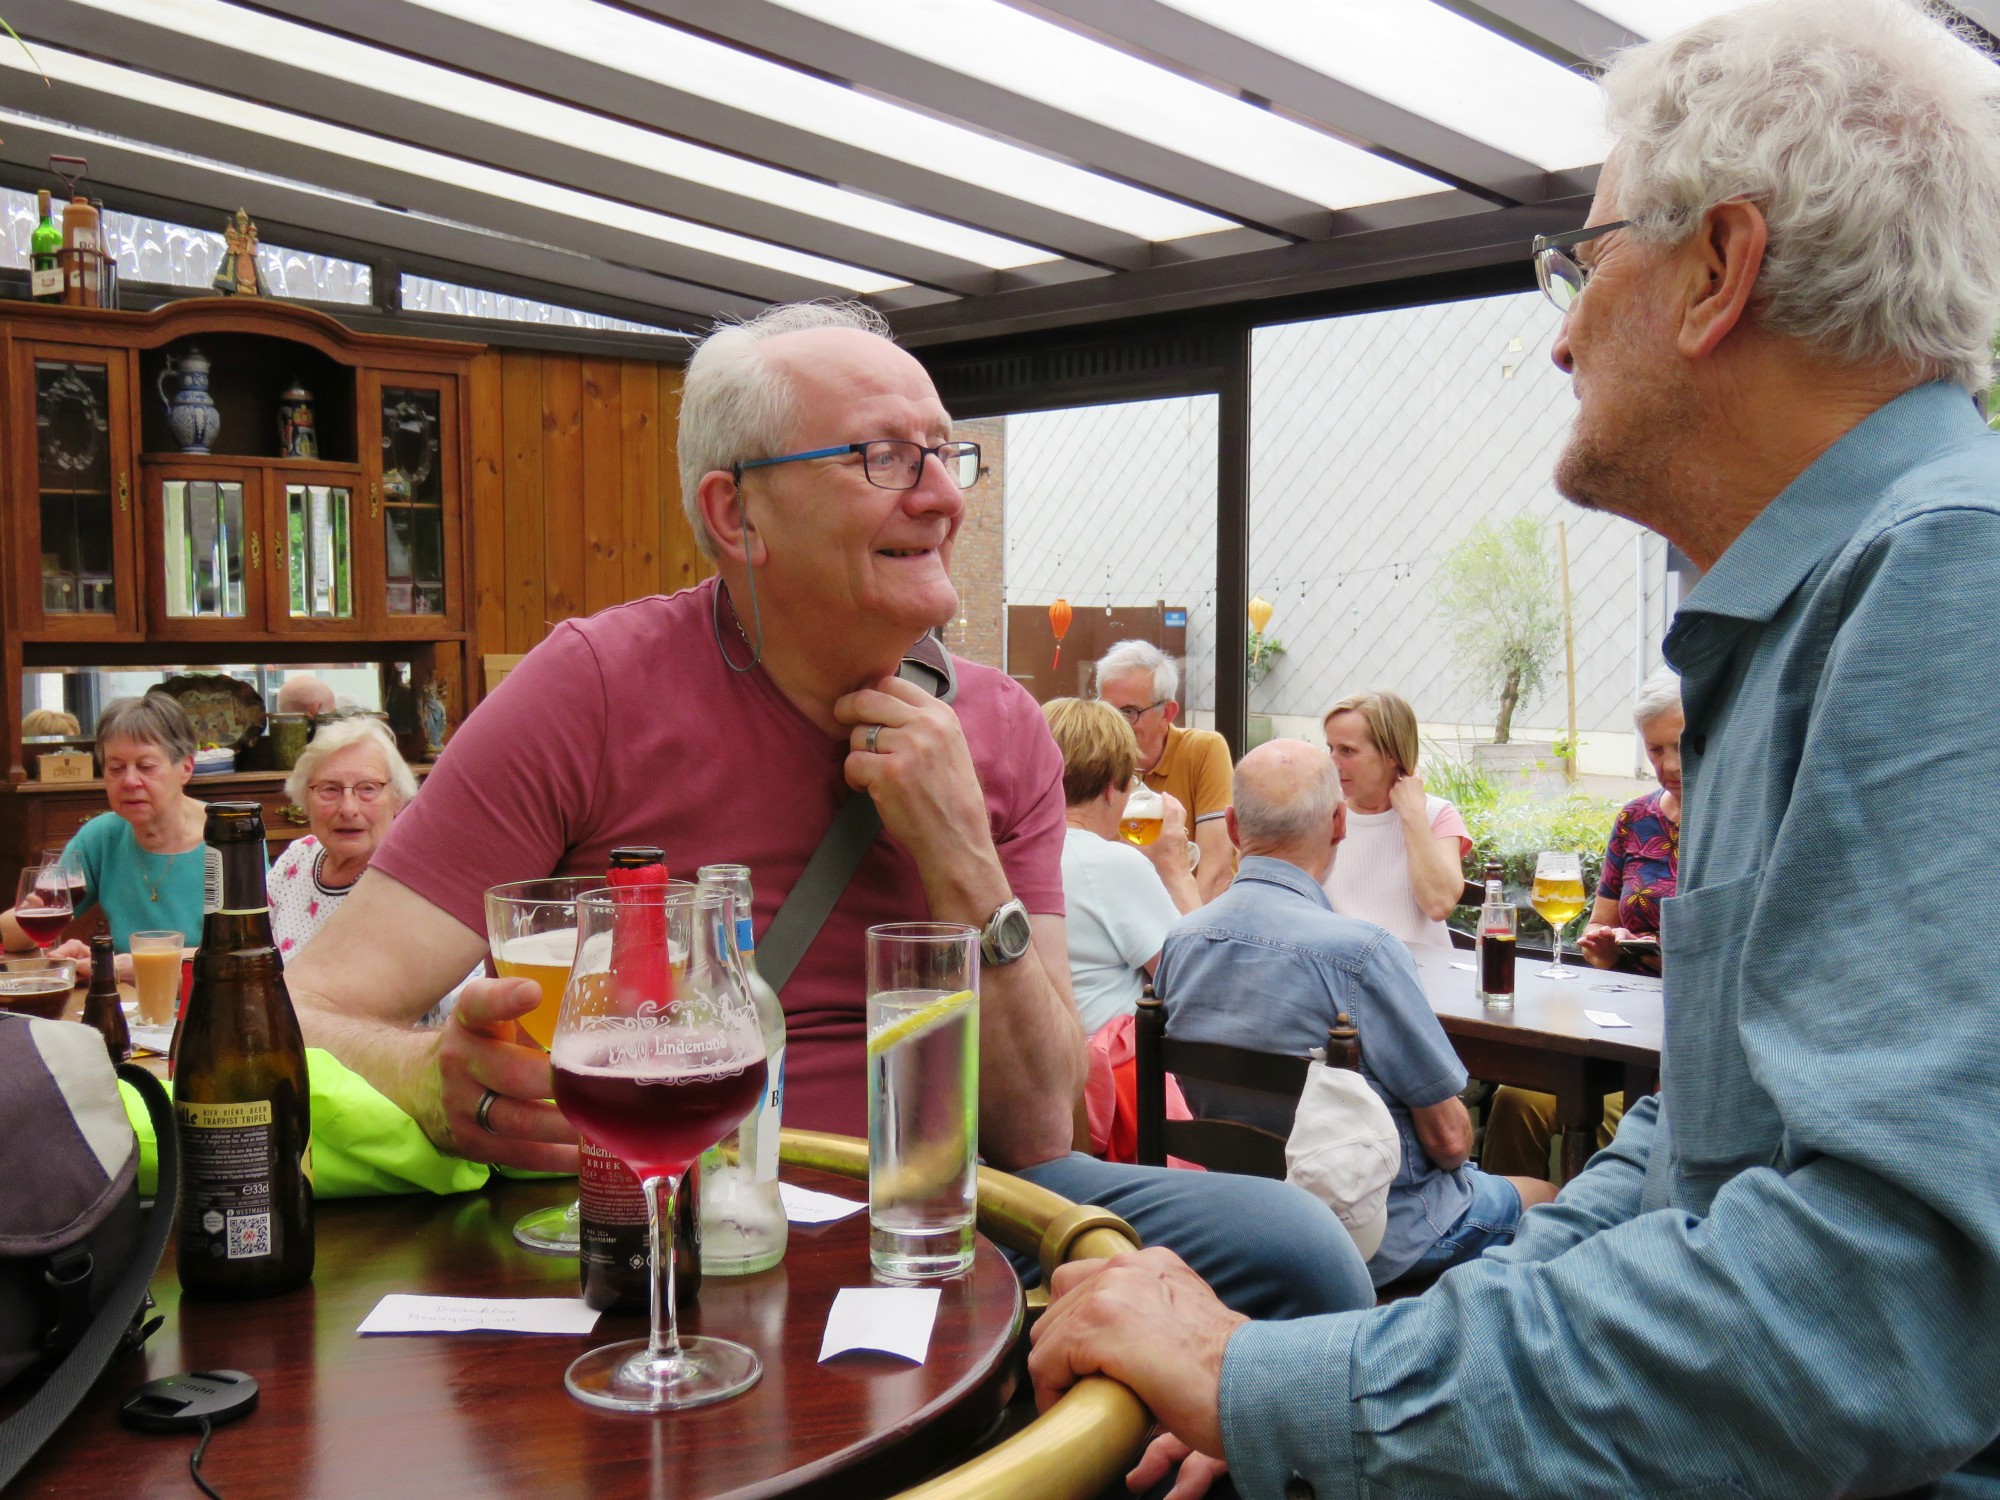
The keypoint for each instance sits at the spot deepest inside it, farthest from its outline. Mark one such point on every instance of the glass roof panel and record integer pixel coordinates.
(997, 44)
(1428, 60)
(1657, 18)
(694, 65)
(241, 114)
(514, 109)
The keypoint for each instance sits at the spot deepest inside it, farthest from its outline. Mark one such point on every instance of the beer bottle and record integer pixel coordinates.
(1498, 932)
(240, 1092)
(45, 277)
(102, 1008)
(611, 1205)
(743, 1226)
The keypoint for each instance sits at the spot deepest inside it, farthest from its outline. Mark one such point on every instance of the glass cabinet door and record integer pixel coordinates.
(204, 543)
(413, 499)
(82, 478)
(319, 550)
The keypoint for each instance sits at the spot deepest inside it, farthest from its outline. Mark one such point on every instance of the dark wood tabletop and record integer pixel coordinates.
(486, 1414)
(1545, 1042)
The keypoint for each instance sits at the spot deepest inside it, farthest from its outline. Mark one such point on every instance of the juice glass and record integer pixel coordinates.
(156, 973)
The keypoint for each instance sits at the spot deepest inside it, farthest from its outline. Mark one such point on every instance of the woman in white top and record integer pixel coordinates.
(1400, 864)
(1119, 900)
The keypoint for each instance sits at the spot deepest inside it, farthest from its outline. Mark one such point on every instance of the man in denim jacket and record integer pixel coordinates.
(1783, 1276)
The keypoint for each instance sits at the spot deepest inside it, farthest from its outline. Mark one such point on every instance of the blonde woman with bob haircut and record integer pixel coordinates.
(1120, 900)
(1400, 865)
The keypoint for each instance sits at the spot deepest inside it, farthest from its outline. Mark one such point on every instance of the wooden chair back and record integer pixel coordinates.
(1219, 1145)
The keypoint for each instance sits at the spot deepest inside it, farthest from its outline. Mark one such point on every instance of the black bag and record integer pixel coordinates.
(77, 1248)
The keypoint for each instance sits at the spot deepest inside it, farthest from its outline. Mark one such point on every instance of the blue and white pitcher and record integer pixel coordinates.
(191, 413)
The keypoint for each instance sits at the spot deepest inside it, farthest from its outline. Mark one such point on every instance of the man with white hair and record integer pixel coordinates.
(1268, 965)
(1190, 765)
(1783, 1276)
(730, 723)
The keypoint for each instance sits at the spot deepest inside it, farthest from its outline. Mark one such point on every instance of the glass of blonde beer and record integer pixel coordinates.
(531, 932)
(1145, 812)
(1558, 900)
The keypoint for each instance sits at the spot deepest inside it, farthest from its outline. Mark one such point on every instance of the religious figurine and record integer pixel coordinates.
(239, 274)
(430, 704)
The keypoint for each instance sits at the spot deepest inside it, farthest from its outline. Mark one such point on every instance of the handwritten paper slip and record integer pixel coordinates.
(404, 1312)
(893, 1320)
(804, 1206)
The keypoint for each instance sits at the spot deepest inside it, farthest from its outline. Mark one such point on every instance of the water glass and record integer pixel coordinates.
(923, 1098)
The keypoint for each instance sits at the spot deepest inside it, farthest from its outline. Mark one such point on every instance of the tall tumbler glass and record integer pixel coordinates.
(923, 1098)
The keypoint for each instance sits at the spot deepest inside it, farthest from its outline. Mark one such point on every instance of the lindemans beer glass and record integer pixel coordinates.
(1558, 900)
(923, 1098)
(658, 1054)
(531, 930)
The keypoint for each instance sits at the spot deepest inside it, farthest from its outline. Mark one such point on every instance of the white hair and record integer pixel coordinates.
(1659, 694)
(1865, 131)
(1266, 818)
(735, 404)
(1141, 656)
(332, 738)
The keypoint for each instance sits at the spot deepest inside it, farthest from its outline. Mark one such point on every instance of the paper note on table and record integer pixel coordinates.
(1606, 1018)
(1466, 967)
(804, 1206)
(403, 1312)
(895, 1320)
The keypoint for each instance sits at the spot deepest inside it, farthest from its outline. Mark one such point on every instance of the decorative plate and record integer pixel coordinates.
(226, 710)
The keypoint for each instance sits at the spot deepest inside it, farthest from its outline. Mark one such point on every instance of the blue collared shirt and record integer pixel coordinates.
(1783, 1280)
(1267, 965)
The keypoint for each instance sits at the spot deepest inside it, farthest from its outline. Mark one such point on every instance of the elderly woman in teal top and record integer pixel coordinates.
(143, 861)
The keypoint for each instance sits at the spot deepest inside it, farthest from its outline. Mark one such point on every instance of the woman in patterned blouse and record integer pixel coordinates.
(1642, 859)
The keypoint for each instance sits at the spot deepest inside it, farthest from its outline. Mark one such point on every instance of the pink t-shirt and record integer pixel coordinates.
(627, 728)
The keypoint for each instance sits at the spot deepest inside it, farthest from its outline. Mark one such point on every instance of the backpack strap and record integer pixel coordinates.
(22, 1434)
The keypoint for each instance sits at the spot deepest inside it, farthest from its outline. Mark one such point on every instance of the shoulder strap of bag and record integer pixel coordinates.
(846, 842)
(22, 1434)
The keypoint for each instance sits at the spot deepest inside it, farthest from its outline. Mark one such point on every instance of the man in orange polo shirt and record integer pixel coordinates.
(1190, 765)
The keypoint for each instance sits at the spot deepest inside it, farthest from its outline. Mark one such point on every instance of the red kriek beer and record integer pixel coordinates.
(43, 927)
(656, 1125)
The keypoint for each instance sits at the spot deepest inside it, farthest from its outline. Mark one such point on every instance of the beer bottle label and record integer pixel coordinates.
(45, 281)
(767, 1119)
(228, 1159)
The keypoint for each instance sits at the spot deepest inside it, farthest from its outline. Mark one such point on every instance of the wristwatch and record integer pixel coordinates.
(1007, 934)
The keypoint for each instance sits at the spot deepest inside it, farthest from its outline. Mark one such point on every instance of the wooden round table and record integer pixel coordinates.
(481, 1414)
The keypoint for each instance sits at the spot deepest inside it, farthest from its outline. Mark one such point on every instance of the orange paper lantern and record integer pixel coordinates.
(1059, 618)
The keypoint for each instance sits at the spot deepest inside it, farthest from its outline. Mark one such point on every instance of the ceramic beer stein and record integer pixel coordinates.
(191, 413)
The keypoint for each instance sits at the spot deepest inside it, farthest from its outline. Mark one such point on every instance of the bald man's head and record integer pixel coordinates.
(1287, 798)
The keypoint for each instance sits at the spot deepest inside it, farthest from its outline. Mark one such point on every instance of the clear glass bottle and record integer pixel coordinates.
(743, 1227)
(1499, 932)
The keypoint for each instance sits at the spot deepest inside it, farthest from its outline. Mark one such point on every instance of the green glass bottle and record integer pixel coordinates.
(45, 254)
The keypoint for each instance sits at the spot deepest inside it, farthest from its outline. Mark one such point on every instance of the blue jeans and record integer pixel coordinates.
(1268, 1249)
(1490, 1219)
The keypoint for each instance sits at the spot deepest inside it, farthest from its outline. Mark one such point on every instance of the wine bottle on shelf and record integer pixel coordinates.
(743, 1226)
(102, 1009)
(611, 1229)
(241, 1098)
(45, 277)
(1499, 930)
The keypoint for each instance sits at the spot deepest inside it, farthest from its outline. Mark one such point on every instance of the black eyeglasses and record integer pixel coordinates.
(888, 463)
(1134, 715)
(1561, 274)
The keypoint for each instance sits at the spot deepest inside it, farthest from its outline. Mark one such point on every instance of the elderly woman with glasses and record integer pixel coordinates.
(352, 783)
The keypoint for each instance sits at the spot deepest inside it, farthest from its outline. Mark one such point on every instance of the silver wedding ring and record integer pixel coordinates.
(486, 1109)
(874, 734)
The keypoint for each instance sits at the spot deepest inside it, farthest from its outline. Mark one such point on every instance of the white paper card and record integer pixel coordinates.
(804, 1206)
(1466, 967)
(1606, 1018)
(403, 1312)
(894, 1320)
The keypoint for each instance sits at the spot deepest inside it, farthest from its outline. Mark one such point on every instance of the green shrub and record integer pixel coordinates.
(1513, 825)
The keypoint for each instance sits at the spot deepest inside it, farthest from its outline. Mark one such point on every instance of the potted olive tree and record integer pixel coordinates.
(1503, 614)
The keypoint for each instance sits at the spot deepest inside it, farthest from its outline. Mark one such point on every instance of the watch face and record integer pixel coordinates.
(1010, 933)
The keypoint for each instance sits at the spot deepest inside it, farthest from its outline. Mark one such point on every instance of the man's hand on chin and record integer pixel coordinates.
(1148, 1322)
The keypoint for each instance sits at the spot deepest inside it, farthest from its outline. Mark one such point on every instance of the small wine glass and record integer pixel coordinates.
(531, 932)
(1558, 900)
(658, 1055)
(42, 905)
(1145, 813)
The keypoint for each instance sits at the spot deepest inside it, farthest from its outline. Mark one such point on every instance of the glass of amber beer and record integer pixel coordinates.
(531, 930)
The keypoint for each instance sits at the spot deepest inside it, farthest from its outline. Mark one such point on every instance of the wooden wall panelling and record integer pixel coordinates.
(521, 476)
(562, 485)
(603, 486)
(682, 564)
(642, 505)
(488, 498)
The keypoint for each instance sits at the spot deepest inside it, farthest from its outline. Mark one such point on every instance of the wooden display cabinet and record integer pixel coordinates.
(120, 547)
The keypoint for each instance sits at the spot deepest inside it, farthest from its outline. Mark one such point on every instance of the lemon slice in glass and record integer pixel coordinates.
(917, 1022)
